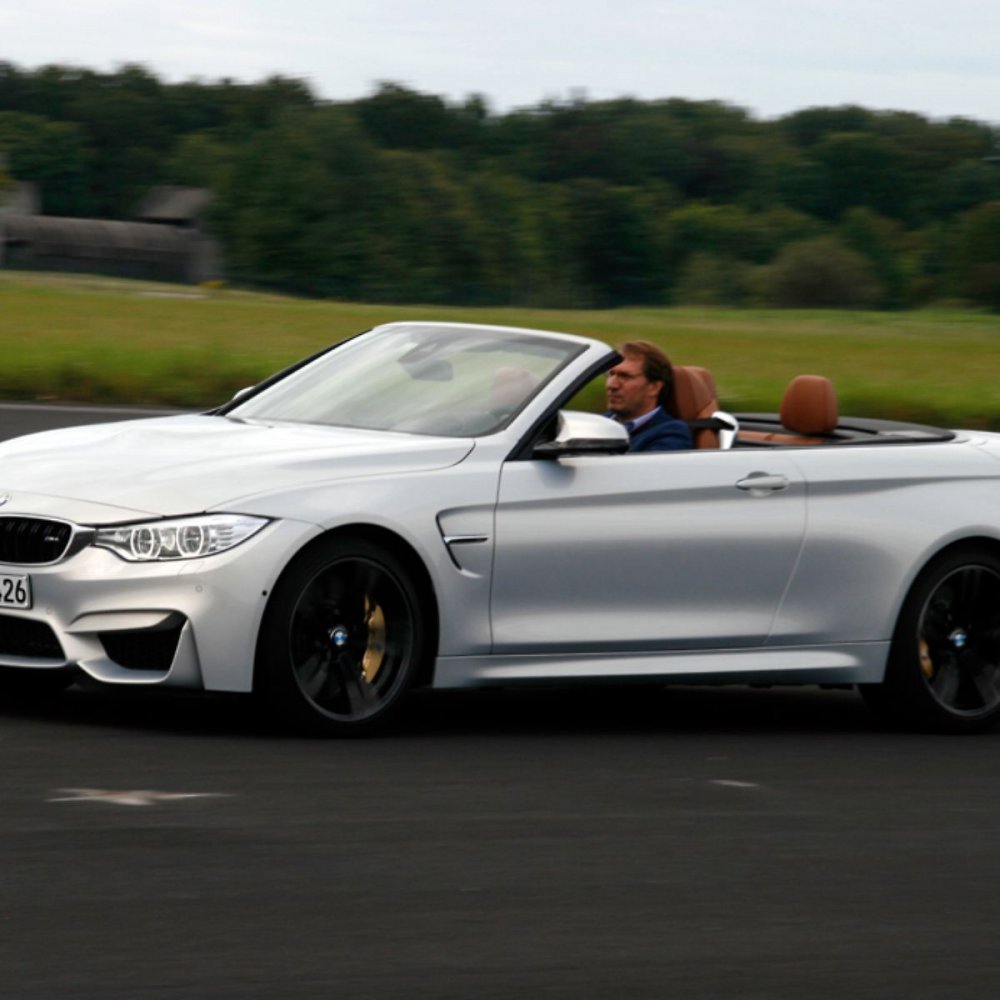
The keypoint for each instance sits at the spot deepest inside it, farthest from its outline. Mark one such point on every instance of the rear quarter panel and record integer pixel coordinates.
(876, 514)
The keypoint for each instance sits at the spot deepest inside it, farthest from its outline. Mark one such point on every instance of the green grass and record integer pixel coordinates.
(91, 339)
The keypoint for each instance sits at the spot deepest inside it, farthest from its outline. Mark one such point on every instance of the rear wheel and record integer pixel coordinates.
(341, 640)
(944, 665)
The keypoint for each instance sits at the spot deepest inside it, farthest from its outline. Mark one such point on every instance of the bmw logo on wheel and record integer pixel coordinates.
(958, 638)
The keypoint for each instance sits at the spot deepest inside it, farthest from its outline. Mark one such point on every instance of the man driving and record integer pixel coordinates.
(636, 390)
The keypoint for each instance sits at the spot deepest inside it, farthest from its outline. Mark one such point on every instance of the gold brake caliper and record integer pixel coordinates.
(926, 663)
(374, 655)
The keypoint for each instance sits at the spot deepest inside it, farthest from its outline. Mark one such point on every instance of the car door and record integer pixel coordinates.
(661, 551)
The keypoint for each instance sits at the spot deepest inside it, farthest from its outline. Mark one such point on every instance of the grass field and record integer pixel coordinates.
(92, 339)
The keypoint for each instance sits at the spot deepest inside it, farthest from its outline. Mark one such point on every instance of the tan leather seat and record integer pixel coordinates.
(693, 398)
(706, 377)
(809, 406)
(809, 412)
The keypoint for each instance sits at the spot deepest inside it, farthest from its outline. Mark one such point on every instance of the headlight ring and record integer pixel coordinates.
(178, 538)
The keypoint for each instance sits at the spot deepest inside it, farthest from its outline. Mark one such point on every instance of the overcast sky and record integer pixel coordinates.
(937, 57)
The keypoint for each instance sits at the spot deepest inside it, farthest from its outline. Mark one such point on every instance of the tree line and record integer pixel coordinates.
(403, 196)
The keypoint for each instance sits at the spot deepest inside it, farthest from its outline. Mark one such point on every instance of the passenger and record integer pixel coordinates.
(637, 388)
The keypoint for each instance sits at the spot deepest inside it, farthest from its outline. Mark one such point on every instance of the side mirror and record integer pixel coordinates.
(584, 434)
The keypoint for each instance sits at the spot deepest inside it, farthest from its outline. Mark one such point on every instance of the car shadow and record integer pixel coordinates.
(627, 709)
(497, 712)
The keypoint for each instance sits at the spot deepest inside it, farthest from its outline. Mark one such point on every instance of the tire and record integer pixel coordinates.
(341, 640)
(943, 672)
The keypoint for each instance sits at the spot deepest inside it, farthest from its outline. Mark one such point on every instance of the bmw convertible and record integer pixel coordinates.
(430, 505)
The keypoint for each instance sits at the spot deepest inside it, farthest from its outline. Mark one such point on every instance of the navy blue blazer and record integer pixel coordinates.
(661, 432)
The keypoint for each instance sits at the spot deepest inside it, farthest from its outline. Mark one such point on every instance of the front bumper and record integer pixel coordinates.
(190, 623)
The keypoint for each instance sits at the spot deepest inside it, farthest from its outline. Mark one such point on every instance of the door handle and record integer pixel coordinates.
(760, 484)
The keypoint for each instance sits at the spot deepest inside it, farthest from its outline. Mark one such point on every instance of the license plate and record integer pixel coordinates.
(15, 591)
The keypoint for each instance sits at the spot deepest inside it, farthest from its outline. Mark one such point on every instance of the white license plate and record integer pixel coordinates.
(15, 591)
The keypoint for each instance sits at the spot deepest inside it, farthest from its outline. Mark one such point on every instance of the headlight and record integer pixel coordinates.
(181, 538)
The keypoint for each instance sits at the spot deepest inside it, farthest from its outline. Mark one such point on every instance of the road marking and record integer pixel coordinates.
(734, 784)
(128, 798)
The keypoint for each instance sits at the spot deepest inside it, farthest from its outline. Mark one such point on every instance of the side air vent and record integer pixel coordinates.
(32, 540)
(144, 649)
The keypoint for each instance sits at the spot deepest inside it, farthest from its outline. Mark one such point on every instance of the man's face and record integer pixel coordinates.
(629, 393)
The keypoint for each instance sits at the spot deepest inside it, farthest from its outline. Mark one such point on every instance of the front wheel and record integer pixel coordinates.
(342, 639)
(944, 665)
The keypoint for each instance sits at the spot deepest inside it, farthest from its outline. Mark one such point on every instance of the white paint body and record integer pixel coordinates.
(588, 567)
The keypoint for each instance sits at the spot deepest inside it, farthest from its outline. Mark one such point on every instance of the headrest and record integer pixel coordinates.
(693, 399)
(706, 376)
(809, 405)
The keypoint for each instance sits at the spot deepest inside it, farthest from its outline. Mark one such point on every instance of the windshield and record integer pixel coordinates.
(424, 379)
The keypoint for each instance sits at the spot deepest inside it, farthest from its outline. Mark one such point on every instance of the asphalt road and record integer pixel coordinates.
(26, 418)
(684, 843)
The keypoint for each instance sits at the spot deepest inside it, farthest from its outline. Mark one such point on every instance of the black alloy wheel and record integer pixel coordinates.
(944, 666)
(342, 638)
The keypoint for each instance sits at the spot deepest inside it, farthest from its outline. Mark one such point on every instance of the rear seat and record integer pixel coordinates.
(809, 414)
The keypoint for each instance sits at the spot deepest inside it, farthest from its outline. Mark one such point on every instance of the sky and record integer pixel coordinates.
(940, 58)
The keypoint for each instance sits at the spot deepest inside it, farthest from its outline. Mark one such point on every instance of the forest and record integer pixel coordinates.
(406, 197)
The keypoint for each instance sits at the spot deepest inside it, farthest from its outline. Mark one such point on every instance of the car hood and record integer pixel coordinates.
(187, 464)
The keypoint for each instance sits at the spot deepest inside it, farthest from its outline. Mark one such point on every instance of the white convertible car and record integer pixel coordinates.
(421, 505)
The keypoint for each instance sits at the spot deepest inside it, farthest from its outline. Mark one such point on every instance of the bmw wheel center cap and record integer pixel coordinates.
(339, 636)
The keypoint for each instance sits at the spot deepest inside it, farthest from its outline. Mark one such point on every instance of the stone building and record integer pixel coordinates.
(166, 242)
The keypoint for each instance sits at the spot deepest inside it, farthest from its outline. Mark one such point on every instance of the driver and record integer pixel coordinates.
(636, 390)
